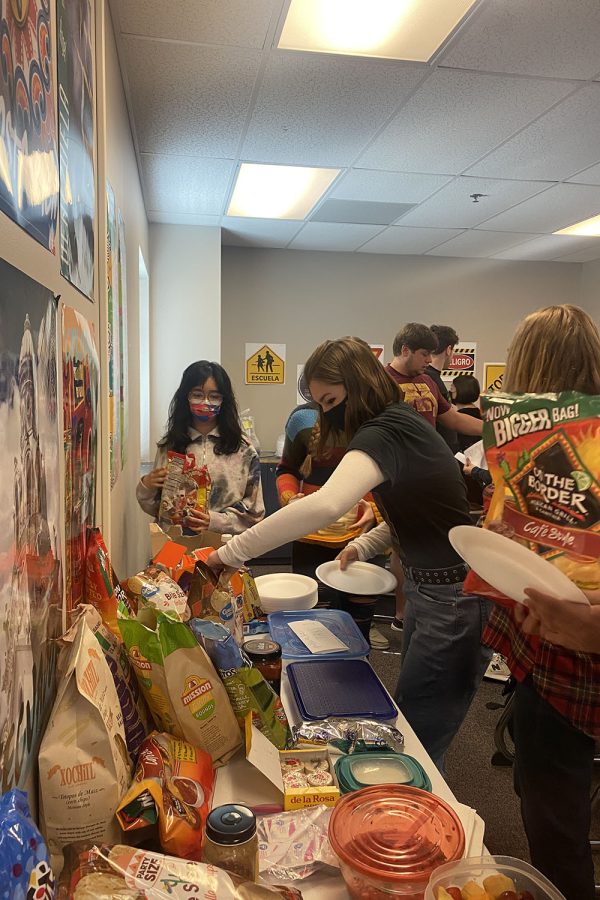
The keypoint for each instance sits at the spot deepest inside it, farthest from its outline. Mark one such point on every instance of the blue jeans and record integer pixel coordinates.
(443, 661)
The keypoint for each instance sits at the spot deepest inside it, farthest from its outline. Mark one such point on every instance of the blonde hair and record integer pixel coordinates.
(350, 361)
(554, 349)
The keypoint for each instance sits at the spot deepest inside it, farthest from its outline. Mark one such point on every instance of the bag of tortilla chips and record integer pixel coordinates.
(543, 452)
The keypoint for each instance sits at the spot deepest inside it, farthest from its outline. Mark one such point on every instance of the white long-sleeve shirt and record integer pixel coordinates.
(355, 476)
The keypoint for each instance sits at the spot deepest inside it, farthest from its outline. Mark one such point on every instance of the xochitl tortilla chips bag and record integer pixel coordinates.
(543, 452)
(83, 762)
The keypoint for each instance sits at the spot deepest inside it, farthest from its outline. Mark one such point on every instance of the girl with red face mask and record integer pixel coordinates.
(204, 420)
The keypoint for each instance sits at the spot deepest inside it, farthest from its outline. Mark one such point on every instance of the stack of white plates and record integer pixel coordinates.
(286, 591)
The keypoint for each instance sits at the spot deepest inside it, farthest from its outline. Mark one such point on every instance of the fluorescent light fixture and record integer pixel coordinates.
(278, 192)
(589, 228)
(394, 29)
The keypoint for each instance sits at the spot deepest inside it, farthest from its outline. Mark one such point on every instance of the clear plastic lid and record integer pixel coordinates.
(395, 832)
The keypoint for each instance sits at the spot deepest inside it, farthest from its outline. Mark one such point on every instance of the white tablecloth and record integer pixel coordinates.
(240, 782)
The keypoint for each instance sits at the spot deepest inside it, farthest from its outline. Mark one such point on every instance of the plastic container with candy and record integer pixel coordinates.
(491, 873)
(389, 839)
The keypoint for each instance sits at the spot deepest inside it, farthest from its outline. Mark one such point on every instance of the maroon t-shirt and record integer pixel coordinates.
(422, 393)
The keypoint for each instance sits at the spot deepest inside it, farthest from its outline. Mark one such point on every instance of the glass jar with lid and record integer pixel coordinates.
(230, 840)
(265, 655)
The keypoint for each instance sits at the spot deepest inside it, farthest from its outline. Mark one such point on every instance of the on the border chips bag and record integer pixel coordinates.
(543, 452)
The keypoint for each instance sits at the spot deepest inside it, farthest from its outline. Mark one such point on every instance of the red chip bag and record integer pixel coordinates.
(173, 785)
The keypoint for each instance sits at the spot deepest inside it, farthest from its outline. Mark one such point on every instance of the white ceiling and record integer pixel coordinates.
(510, 109)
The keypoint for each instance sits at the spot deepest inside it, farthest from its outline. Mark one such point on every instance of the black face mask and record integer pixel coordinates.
(336, 416)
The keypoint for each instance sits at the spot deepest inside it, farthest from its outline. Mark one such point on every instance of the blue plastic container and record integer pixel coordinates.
(346, 688)
(339, 623)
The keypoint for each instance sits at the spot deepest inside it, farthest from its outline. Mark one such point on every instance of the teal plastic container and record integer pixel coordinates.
(360, 770)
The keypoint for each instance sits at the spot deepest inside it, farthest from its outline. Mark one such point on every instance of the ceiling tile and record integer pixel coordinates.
(359, 212)
(183, 219)
(540, 37)
(561, 142)
(387, 187)
(239, 232)
(456, 117)
(241, 23)
(453, 207)
(319, 110)
(482, 244)
(397, 239)
(558, 207)
(186, 184)
(588, 176)
(189, 100)
(549, 247)
(581, 256)
(327, 236)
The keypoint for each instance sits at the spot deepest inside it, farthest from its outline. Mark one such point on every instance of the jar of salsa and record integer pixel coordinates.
(265, 655)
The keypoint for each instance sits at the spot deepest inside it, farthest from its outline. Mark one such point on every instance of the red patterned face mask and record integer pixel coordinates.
(205, 411)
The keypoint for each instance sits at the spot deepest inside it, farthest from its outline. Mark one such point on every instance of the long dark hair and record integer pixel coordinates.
(351, 362)
(177, 436)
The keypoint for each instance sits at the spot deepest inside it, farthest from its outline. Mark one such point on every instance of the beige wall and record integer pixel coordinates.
(299, 298)
(185, 309)
(590, 288)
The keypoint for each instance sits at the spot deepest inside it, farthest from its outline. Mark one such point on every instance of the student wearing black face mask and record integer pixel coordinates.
(204, 420)
(393, 452)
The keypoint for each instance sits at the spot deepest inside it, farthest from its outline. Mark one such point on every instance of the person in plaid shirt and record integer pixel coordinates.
(557, 697)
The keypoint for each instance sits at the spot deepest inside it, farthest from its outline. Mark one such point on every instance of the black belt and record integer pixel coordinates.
(449, 575)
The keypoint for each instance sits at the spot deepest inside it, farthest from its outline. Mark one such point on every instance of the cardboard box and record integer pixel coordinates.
(265, 757)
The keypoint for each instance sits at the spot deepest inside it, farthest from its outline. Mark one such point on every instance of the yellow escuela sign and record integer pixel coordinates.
(493, 375)
(265, 363)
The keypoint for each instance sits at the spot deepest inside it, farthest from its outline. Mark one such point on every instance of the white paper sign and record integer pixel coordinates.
(317, 637)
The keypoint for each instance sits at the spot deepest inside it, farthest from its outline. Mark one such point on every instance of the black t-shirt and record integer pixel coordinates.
(450, 436)
(423, 494)
(465, 440)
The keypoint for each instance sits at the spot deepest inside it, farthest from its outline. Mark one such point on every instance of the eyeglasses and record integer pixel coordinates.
(200, 397)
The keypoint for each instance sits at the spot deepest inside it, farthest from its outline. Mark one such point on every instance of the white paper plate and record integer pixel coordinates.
(286, 591)
(510, 567)
(359, 578)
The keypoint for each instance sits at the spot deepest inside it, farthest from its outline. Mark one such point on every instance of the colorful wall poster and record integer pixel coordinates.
(114, 335)
(463, 361)
(80, 419)
(76, 108)
(379, 352)
(122, 316)
(30, 526)
(28, 157)
(493, 376)
(265, 364)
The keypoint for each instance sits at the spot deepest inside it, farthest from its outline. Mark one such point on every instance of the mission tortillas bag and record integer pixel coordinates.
(84, 765)
(543, 453)
(180, 684)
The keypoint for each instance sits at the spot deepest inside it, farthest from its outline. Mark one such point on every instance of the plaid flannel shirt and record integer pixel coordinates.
(569, 681)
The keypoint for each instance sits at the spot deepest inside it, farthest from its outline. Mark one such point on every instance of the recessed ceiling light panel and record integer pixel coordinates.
(589, 227)
(394, 29)
(278, 192)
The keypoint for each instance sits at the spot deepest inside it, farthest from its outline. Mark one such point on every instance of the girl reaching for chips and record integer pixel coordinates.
(206, 458)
